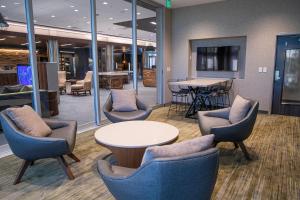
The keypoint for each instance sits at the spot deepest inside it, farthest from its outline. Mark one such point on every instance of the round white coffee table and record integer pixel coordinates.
(128, 140)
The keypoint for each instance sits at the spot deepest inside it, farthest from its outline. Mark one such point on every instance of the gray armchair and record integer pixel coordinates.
(190, 177)
(60, 142)
(217, 122)
(142, 113)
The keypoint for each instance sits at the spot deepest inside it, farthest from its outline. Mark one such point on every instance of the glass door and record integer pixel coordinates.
(286, 92)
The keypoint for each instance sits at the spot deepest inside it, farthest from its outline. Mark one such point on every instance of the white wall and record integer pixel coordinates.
(259, 20)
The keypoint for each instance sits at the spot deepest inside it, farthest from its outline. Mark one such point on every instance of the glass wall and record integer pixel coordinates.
(146, 31)
(64, 55)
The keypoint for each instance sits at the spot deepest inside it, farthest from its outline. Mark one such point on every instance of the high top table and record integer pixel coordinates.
(195, 86)
(128, 140)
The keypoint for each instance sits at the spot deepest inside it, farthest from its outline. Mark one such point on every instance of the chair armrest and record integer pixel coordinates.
(141, 105)
(221, 113)
(55, 124)
(235, 132)
(107, 107)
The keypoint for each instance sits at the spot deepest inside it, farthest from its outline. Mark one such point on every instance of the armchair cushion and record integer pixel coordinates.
(29, 121)
(207, 121)
(77, 86)
(124, 100)
(179, 149)
(239, 109)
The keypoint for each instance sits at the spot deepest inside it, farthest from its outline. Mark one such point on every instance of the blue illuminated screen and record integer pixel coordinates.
(24, 74)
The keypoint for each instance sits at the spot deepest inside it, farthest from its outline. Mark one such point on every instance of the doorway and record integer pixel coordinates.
(286, 90)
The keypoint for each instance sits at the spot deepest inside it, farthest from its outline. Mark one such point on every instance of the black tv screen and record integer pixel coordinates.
(224, 58)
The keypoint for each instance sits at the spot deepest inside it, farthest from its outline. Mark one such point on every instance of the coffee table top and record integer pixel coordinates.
(136, 134)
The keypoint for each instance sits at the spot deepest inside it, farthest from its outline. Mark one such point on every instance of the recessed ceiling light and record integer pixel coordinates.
(1, 39)
(3, 6)
(72, 6)
(88, 22)
(38, 42)
(11, 36)
(69, 26)
(52, 16)
(35, 21)
(76, 10)
(104, 3)
(138, 13)
(17, 3)
(154, 23)
(84, 17)
(111, 18)
(125, 9)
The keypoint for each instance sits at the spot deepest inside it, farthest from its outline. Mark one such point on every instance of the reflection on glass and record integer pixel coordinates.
(291, 84)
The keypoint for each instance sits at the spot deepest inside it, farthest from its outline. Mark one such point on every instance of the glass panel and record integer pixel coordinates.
(146, 34)
(115, 69)
(291, 84)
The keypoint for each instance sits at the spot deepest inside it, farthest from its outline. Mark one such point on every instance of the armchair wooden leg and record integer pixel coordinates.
(21, 171)
(71, 155)
(243, 147)
(65, 167)
(236, 145)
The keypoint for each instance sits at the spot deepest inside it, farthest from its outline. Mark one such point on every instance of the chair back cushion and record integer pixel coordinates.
(88, 76)
(62, 77)
(124, 100)
(179, 149)
(27, 120)
(239, 109)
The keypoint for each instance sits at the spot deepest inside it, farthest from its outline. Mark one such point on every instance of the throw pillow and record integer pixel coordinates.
(27, 120)
(124, 100)
(239, 109)
(179, 149)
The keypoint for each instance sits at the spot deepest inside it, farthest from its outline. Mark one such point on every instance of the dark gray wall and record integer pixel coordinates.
(259, 20)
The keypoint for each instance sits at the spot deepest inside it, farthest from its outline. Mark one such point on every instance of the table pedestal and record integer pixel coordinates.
(128, 157)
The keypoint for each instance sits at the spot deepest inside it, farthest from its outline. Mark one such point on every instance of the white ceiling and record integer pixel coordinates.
(75, 15)
(183, 3)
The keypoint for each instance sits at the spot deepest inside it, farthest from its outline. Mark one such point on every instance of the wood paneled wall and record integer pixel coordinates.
(12, 57)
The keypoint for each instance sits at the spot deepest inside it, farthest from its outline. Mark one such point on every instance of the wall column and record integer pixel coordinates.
(52, 49)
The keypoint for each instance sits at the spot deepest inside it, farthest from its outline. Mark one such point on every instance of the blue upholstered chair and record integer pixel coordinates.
(29, 148)
(217, 122)
(141, 114)
(189, 177)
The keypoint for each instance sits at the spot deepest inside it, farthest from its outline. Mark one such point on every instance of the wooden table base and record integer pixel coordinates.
(128, 157)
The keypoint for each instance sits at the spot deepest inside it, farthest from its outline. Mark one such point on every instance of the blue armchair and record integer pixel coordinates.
(190, 177)
(60, 142)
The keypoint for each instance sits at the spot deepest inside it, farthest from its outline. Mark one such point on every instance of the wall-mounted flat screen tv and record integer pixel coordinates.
(24, 74)
(223, 58)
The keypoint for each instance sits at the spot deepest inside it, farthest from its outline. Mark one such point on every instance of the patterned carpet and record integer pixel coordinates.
(274, 172)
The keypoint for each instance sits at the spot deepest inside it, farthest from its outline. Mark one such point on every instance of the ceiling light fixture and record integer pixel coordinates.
(111, 18)
(1, 39)
(11, 36)
(17, 3)
(3, 6)
(69, 26)
(154, 23)
(52, 16)
(88, 22)
(76, 10)
(72, 6)
(138, 13)
(104, 3)
(125, 9)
